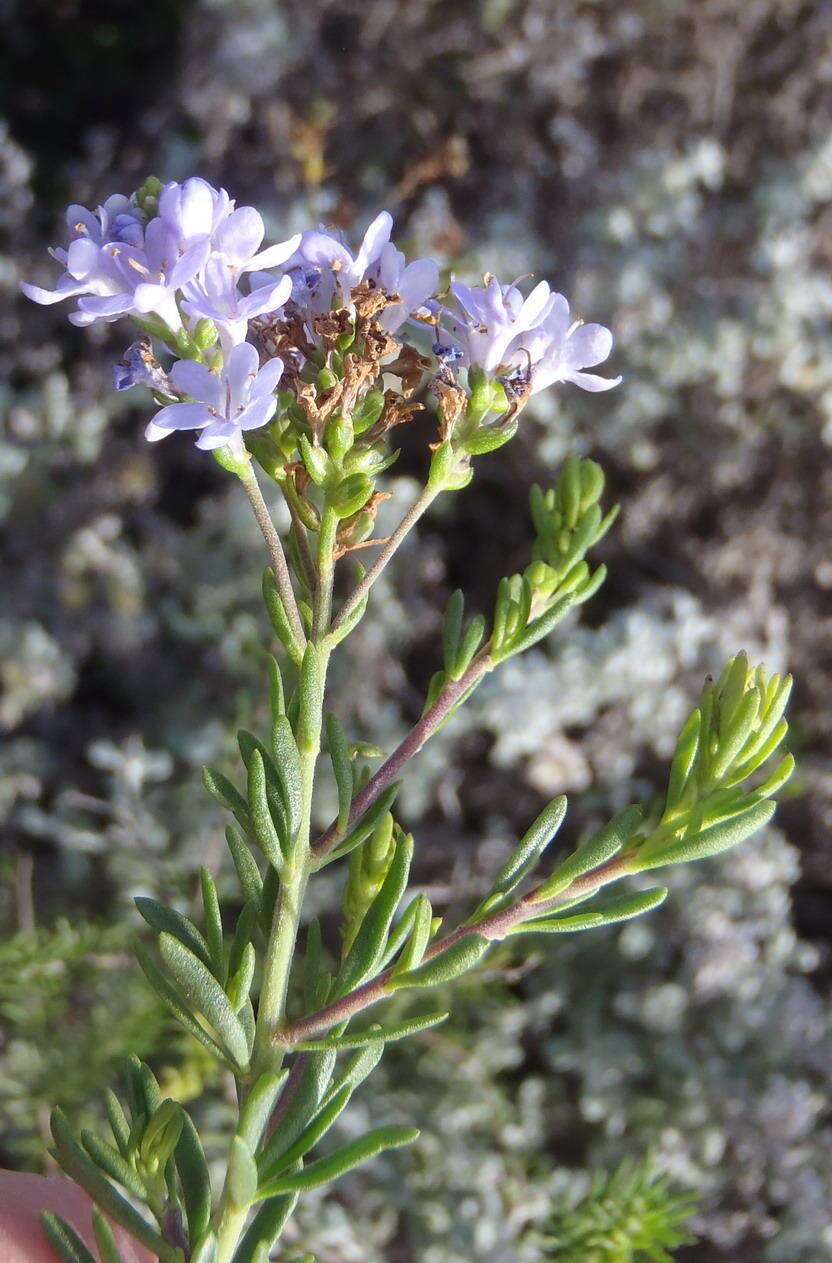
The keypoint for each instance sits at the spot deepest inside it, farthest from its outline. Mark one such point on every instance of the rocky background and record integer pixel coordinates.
(669, 166)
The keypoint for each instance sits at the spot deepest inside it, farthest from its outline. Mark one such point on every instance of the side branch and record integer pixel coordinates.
(276, 554)
(450, 697)
(494, 928)
(405, 526)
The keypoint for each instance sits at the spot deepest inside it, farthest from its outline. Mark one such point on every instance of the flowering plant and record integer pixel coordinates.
(294, 363)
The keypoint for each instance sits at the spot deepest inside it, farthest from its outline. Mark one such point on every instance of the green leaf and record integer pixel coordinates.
(64, 1239)
(118, 1121)
(82, 1169)
(263, 824)
(339, 754)
(194, 1177)
(248, 874)
(597, 851)
(526, 855)
(203, 991)
(161, 1134)
(241, 1181)
(364, 955)
(471, 642)
(110, 1161)
(357, 1069)
(453, 961)
(206, 1251)
(104, 1238)
(277, 616)
(213, 923)
(541, 626)
(420, 934)
(309, 1137)
(607, 912)
(259, 1107)
(220, 787)
(238, 988)
(168, 921)
(452, 629)
(288, 767)
(325, 1170)
(305, 1100)
(375, 1035)
(310, 691)
(176, 1002)
(365, 825)
(277, 699)
(264, 1230)
(684, 758)
(699, 846)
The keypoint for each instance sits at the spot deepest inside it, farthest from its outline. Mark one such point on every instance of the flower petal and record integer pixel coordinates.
(268, 378)
(273, 256)
(257, 413)
(238, 237)
(588, 345)
(177, 416)
(196, 380)
(589, 381)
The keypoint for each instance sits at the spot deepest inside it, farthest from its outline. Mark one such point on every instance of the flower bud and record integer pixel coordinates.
(338, 437)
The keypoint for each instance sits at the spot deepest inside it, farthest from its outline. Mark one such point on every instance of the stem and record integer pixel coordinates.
(493, 928)
(450, 696)
(268, 1050)
(405, 526)
(280, 567)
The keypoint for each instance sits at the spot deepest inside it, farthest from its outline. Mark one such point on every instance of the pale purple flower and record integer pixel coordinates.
(224, 404)
(116, 265)
(324, 270)
(532, 339)
(214, 295)
(87, 271)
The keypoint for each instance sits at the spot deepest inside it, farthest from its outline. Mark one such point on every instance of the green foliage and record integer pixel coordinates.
(631, 1216)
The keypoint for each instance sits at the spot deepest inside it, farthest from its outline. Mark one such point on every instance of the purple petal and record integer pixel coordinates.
(188, 207)
(588, 345)
(375, 239)
(239, 236)
(274, 256)
(268, 377)
(46, 297)
(257, 413)
(589, 381)
(186, 268)
(266, 298)
(240, 371)
(196, 380)
(217, 435)
(177, 416)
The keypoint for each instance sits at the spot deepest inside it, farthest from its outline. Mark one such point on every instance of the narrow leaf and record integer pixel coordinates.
(206, 995)
(366, 824)
(309, 1137)
(342, 768)
(169, 921)
(241, 1181)
(376, 1034)
(192, 1168)
(263, 824)
(370, 940)
(82, 1169)
(248, 873)
(64, 1239)
(213, 923)
(259, 1107)
(325, 1170)
(597, 851)
(104, 1238)
(113, 1164)
(720, 837)
(175, 1002)
(453, 961)
(608, 912)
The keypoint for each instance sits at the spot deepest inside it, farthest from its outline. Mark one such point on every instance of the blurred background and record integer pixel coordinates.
(668, 165)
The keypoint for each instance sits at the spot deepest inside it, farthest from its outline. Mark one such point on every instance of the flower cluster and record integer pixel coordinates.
(306, 315)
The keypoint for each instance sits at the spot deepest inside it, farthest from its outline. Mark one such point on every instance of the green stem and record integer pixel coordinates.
(282, 577)
(267, 1053)
(407, 523)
